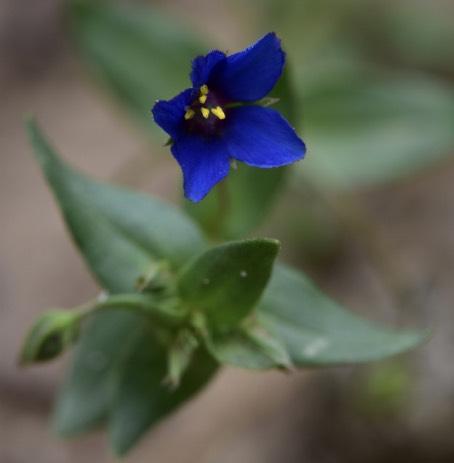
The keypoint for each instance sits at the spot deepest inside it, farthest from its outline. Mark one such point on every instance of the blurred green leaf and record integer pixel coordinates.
(284, 92)
(317, 331)
(142, 398)
(138, 52)
(306, 27)
(121, 234)
(87, 393)
(380, 121)
(406, 34)
(248, 196)
(362, 129)
(226, 281)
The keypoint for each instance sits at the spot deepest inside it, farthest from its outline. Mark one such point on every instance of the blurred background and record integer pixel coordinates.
(368, 214)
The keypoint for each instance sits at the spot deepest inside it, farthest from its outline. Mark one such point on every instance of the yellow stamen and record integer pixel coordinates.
(203, 99)
(205, 112)
(189, 114)
(204, 89)
(218, 112)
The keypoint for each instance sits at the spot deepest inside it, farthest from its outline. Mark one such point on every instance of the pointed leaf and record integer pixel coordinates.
(87, 393)
(317, 331)
(226, 281)
(142, 397)
(364, 131)
(119, 232)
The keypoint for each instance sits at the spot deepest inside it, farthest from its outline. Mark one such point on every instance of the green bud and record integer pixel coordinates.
(50, 336)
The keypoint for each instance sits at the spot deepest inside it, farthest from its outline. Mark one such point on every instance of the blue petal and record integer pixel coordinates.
(261, 137)
(204, 162)
(250, 74)
(169, 115)
(203, 65)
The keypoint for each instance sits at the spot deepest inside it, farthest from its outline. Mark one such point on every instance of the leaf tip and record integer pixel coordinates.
(29, 120)
(271, 245)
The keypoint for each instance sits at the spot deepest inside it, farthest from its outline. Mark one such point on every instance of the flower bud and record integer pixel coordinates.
(50, 336)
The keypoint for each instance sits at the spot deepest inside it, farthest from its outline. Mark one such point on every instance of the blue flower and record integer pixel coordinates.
(209, 124)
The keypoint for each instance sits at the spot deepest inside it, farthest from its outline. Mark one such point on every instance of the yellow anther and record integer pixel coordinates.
(204, 90)
(203, 99)
(189, 114)
(205, 112)
(218, 112)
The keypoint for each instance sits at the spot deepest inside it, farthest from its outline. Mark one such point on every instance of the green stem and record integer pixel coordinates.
(139, 303)
(222, 211)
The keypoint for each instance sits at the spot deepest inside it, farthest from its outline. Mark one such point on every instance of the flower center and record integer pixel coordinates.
(206, 111)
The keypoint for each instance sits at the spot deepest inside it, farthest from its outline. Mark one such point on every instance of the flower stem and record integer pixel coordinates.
(138, 303)
(222, 210)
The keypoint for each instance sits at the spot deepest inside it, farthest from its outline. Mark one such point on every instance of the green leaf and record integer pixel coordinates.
(52, 333)
(87, 393)
(248, 347)
(242, 202)
(142, 398)
(407, 34)
(139, 53)
(317, 331)
(225, 282)
(119, 232)
(363, 130)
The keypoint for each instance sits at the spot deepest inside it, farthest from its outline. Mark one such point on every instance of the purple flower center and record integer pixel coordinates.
(206, 114)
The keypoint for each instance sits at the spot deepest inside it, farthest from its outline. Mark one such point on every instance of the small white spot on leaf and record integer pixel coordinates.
(315, 347)
(243, 274)
(102, 296)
